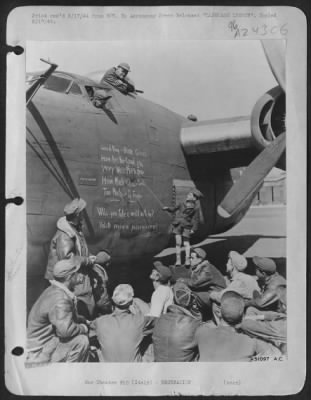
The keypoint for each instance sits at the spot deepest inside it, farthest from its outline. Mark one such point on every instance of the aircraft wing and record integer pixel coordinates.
(217, 135)
(263, 132)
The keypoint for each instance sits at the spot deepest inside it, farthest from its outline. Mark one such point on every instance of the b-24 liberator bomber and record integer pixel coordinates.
(130, 157)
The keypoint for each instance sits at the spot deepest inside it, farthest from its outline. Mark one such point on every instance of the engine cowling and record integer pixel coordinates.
(268, 119)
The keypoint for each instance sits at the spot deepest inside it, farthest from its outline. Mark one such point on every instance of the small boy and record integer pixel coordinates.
(185, 223)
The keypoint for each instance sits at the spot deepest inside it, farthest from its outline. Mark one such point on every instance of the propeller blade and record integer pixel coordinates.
(275, 54)
(252, 178)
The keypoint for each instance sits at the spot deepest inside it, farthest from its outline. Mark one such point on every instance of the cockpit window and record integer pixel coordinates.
(57, 84)
(75, 89)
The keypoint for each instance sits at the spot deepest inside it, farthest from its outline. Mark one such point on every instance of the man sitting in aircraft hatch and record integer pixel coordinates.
(185, 224)
(117, 77)
(69, 241)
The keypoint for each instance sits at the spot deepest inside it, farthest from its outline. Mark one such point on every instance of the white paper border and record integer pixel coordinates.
(206, 378)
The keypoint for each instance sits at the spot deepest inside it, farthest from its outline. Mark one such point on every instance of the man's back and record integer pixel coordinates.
(52, 315)
(243, 284)
(161, 299)
(223, 343)
(275, 281)
(173, 336)
(206, 277)
(120, 335)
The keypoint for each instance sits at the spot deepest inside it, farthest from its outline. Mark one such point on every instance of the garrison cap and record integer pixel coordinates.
(238, 260)
(265, 264)
(124, 66)
(232, 307)
(200, 252)
(67, 267)
(75, 206)
(165, 272)
(123, 295)
(182, 294)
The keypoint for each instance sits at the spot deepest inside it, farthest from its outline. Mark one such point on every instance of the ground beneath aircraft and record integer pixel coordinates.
(261, 232)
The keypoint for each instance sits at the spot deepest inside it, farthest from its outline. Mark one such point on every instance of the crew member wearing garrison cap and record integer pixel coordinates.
(55, 332)
(117, 77)
(269, 280)
(162, 296)
(185, 223)
(69, 241)
(173, 334)
(224, 343)
(239, 282)
(121, 333)
(205, 278)
(270, 326)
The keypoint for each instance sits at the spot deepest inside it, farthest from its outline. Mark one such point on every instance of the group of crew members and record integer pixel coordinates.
(195, 312)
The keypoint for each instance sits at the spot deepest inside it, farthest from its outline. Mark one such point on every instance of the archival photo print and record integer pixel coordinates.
(156, 212)
(114, 179)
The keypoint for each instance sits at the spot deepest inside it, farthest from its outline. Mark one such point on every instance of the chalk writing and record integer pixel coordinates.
(124, 213)
(122, 170)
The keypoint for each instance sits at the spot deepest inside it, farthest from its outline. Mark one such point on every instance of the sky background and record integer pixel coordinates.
(208, 78)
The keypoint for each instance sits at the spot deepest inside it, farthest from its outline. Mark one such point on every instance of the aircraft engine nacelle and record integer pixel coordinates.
(268, 119)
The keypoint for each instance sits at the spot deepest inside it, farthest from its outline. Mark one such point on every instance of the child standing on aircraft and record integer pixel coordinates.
(185, 223)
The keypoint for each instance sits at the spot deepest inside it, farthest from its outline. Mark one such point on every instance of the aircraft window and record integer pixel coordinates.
(57, 84)
(90, 91)
(75, 89)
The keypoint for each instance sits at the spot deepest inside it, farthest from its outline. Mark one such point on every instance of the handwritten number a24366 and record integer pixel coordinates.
(261, 30)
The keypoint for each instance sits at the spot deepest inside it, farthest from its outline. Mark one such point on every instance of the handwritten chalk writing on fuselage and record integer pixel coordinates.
(111, 148)
(104, 225)
(149, 227)
(120, 181)
(122, 167)
(129, 171)
(140, 153)
(134, 227)
(126, 194)
(127, 227)
(124, 213)
(121, 160)
(125, 181)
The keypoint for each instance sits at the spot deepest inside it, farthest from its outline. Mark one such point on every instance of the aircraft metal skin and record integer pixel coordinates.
(127, 160)
(124, 164)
